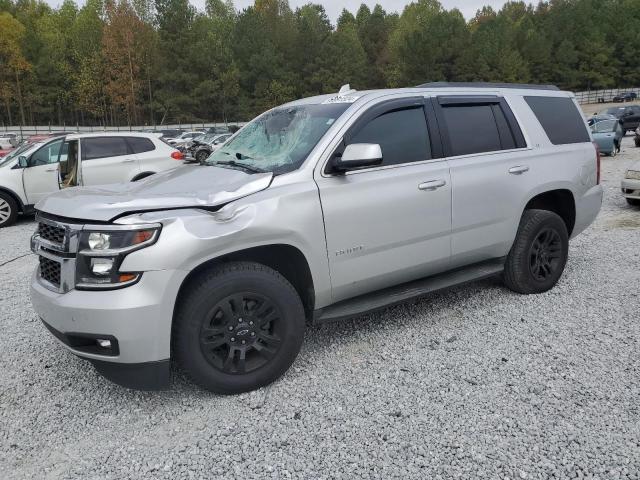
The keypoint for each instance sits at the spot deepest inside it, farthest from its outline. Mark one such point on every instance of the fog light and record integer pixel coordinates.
(101, 266)
(102, 343)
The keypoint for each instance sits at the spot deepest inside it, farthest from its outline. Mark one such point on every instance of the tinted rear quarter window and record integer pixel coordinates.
(401, 134)
(102, 147)
(560, 119)
(140, 144)
(473, 129)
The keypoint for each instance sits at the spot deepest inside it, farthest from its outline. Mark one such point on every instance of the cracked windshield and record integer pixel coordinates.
(278, 141)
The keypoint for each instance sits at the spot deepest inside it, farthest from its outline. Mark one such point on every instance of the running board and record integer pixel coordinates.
(401, 293)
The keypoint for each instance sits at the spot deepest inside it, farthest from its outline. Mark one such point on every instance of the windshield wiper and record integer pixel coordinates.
(244, 166)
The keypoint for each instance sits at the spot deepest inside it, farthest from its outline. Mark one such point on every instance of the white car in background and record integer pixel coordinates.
(631, 185)
(36, 170)
(184, 139)
(8, 140)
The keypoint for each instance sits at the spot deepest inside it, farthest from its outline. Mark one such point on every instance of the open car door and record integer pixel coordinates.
(69, 164)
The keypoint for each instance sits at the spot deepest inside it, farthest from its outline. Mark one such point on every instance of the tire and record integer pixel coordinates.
(8, 210)
(201, 156)
(524, 271)
(223, 307)
(634, 202)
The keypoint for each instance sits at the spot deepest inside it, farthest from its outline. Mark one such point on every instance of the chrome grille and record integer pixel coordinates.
(52, 233)
(50, 271)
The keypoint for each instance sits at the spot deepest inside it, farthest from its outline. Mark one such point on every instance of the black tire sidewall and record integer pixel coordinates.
(13, 207)
(214, 288)
(519, 273)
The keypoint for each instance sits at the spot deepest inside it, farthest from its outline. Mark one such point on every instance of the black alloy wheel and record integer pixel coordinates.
(545, 254)
(241, 333)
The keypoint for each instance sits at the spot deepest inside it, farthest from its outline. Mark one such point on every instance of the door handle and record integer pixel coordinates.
(51, 170)
(519, 170)
(432, 185)
(128, 160)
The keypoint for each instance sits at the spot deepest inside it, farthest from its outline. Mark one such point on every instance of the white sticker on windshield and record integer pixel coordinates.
(330, 121)
(342, 99)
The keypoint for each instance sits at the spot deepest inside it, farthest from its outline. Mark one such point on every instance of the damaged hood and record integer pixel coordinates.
(183, 187)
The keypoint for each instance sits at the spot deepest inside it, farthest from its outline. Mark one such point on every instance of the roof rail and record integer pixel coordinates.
(526, 86)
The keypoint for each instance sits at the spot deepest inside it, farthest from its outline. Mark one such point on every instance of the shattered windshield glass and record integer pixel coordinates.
(278, 141)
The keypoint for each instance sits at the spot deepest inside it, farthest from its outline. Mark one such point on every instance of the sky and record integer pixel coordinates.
(334, 7)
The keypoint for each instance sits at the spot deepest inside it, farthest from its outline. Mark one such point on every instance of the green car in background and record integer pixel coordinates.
(608, 135)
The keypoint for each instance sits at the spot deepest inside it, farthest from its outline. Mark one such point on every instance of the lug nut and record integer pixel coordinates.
(253, 334)
(250, 323)
(230, 328)
(239, 320)
(243, 342)
(233, 339)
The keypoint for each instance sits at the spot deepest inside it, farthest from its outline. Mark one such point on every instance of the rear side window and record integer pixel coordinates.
(102, 147)
(140, 144)
(560, 119)
(401, 134)
(473, 129)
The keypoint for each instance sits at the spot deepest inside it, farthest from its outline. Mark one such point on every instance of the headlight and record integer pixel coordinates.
(633, 174)
(102, 251)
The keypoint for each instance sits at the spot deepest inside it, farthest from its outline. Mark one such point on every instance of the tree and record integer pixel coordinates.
(12, 62)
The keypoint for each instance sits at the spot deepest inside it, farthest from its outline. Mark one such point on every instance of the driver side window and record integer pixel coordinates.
(46, 155)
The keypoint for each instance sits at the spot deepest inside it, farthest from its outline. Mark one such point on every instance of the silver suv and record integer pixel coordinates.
(320, 209)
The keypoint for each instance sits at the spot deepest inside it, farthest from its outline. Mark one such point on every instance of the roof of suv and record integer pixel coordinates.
(456, 88)
(78, 136)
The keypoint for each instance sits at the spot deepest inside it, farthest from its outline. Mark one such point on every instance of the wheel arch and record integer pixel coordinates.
(15, 196)
(286, 259)
(560, 201)
(142, 175)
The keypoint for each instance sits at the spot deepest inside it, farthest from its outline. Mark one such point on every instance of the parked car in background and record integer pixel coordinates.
(629, 116)
(631, 185)
(203, 147)
(45, 136)
(8, 140)
(599, 117)
(36, 170)
(184, 139)
(608, 135)
(165, 132)
(5, 151)
(625, 97)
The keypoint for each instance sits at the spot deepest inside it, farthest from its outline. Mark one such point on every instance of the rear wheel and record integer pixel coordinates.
(539, 254)
(8, 210)
(238, 328)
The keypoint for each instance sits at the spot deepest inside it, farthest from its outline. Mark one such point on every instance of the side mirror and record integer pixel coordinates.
(23, 162)
(358, 155)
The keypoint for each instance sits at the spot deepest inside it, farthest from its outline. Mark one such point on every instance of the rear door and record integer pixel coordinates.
(107, 160)
(490, 174)
(391, 223)
(40, 178)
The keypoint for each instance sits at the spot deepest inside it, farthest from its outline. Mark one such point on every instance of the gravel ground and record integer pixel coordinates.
(475, 382)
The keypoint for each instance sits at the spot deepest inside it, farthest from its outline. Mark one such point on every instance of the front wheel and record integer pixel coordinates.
(239, 327)
(539, 254)
(202, 155)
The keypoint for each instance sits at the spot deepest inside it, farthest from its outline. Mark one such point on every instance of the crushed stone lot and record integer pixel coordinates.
(473, 382)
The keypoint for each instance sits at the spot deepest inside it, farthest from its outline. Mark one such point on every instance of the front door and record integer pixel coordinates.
(391, 223)
(40, 178)
(107, 160)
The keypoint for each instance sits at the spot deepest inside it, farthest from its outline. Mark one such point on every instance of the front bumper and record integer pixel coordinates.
(631, 188)
(137, 319)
